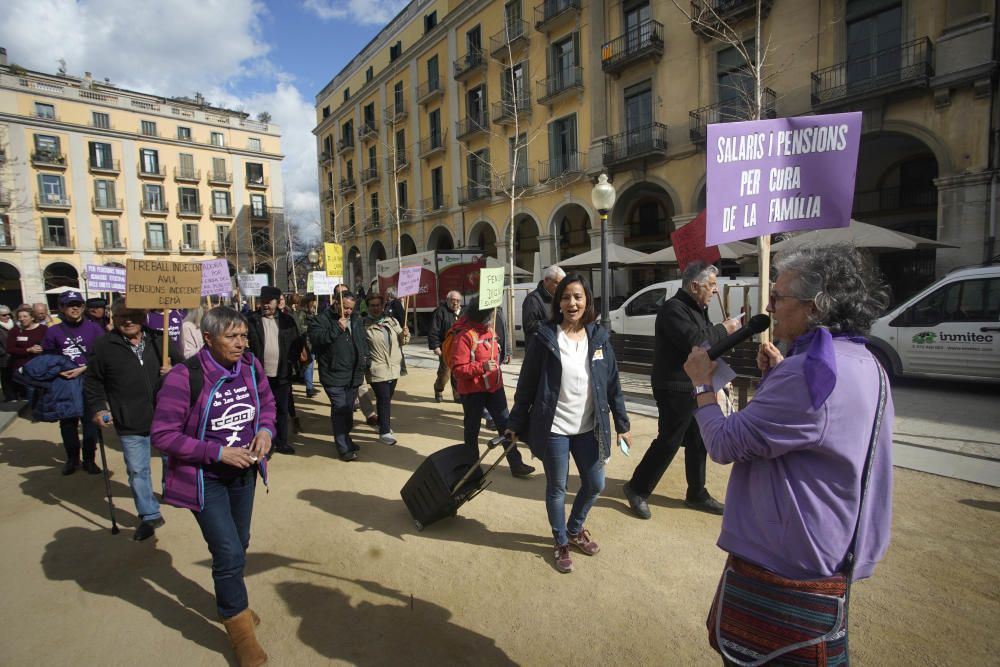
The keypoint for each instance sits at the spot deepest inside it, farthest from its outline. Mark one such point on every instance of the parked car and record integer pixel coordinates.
(950, 330)
(637, 316)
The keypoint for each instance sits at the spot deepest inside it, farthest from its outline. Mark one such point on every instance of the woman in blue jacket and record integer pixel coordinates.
(567, 394)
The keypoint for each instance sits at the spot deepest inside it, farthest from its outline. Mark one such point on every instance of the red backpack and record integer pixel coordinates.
(448, 344)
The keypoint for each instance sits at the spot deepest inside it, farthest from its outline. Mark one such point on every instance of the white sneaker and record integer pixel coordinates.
(387, 439)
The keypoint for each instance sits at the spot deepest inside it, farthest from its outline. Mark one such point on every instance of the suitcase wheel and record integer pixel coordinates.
(419, 525)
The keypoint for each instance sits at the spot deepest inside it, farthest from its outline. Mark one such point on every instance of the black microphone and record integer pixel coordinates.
(756, 324)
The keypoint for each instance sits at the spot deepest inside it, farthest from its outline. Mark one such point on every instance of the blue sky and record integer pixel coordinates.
(255, 56)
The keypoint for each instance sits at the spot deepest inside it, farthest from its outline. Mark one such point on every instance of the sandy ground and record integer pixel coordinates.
(339, 574)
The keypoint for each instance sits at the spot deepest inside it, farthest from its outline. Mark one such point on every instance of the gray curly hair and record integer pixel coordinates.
(841, 281)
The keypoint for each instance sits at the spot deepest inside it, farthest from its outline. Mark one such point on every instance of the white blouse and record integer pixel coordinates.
(575, 409)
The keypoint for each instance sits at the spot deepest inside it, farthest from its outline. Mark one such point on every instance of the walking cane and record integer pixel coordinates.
(107, 479)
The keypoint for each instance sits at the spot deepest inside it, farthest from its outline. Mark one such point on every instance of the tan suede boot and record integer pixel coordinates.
(241, 634)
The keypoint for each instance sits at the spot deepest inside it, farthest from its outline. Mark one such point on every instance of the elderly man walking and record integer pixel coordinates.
(538, 304)
(681, 323)
(120, 390)
(274, 339)
(444, 319)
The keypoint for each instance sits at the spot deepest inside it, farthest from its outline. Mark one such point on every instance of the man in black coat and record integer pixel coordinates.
(123, 373)
(275, 339)
(681, 324)
(444, 318)
(538, 305)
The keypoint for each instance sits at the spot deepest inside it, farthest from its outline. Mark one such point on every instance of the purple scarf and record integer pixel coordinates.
(821, 363)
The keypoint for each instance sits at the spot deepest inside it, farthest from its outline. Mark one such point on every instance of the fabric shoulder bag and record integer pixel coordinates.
(759, 617)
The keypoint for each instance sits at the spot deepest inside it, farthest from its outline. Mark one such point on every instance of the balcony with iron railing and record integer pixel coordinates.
(152, 171)
(55, 241)
(187, 175)
(553, 13)
(327, 195)
(221, 213)
(429, 90)
(189, 210)
(646, 143)
(471, 126)
(404, 215)
(263, 213)
(368, 130)
(220, 178)
(325, 158)
(50, 159)
(432, 206)
(399, 160)
(570, 164)
(368, 175)
(396, 112)
(373, 222)
(640, 43)
(344, 144)
(111, 245)
(474, 192)
(708, 17)
(885, 72)
(506, 110)
(104, 166)
(514, 183)
(562, 83)
(895, 200)
(510, 41)
(727, 112)
(347, 186)
(472, 62)
(157, 246)
(51, 200)
(432, 144)
(107, 205)
(195, 248)
(155, 208)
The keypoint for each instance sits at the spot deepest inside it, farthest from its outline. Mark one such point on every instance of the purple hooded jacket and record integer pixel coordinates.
(178, 427)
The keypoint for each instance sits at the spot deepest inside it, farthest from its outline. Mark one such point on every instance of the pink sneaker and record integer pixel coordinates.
(564, 563)
(583, 542)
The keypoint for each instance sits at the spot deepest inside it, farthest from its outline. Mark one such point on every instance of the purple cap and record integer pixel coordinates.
(67, 298)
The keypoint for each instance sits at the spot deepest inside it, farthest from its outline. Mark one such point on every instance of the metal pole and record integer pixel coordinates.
(605, 276)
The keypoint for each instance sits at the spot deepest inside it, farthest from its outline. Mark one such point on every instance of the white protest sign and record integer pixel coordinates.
(322, 283)
(490, 288)
(250, 283)
(105, 278)
(409, 281)
(215, 278)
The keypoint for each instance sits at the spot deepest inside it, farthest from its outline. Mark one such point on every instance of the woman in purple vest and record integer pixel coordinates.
(216, 442)
(799, 450)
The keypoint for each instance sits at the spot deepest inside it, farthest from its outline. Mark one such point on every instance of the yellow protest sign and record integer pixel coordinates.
(158, 284)
(334, 259)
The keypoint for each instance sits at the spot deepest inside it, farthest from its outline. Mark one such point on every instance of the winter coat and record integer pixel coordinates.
(18, 342)
(289, 343)
(5, 359)
(179, 426)
(342, 356)
(192, 339)
(116, 381)
(386, 355)
(681, 324)
(58, 397)
(474, 345)
(441, 322)
(537, 308)
(538, 385)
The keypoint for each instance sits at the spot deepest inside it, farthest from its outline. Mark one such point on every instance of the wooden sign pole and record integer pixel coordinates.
(764, 281)
(725, 312)
(166, 338)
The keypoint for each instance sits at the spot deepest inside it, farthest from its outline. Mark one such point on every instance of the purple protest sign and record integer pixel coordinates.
(409, 281)
(215, 278)
(781, 175)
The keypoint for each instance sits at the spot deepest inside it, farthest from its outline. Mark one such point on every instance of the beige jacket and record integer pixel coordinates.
(385, 352)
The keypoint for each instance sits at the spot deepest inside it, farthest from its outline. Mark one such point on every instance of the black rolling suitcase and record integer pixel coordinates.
(445, 481)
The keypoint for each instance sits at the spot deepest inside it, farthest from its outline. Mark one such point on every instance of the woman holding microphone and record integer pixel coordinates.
(567, 394)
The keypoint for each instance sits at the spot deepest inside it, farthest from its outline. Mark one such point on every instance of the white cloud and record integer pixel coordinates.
(363, 12)
(174, 49)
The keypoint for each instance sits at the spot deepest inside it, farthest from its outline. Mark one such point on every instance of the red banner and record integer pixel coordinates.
(689, 243)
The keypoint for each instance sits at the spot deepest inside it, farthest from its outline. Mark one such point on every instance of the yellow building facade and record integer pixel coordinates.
(93, 174)
(628, 88)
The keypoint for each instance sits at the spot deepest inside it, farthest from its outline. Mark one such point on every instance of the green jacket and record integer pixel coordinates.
(342, 356)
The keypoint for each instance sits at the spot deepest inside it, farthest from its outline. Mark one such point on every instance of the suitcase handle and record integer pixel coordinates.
(493, 443)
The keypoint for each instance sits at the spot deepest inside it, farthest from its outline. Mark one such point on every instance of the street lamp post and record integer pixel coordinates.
(603, 198)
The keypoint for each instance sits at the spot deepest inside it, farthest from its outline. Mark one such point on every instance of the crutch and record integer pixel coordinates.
(107, 478)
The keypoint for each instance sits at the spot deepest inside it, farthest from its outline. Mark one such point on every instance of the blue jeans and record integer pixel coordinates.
(225, 525)
(140, 479)
(495, 405)
(307, 373)
(585, 453)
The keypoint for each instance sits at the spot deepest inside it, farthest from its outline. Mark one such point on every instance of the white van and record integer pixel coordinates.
(521, 290)
(950, 330)
(637, 316)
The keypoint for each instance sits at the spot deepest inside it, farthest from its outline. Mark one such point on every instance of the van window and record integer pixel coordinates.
(963, 301)
(647, 303)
